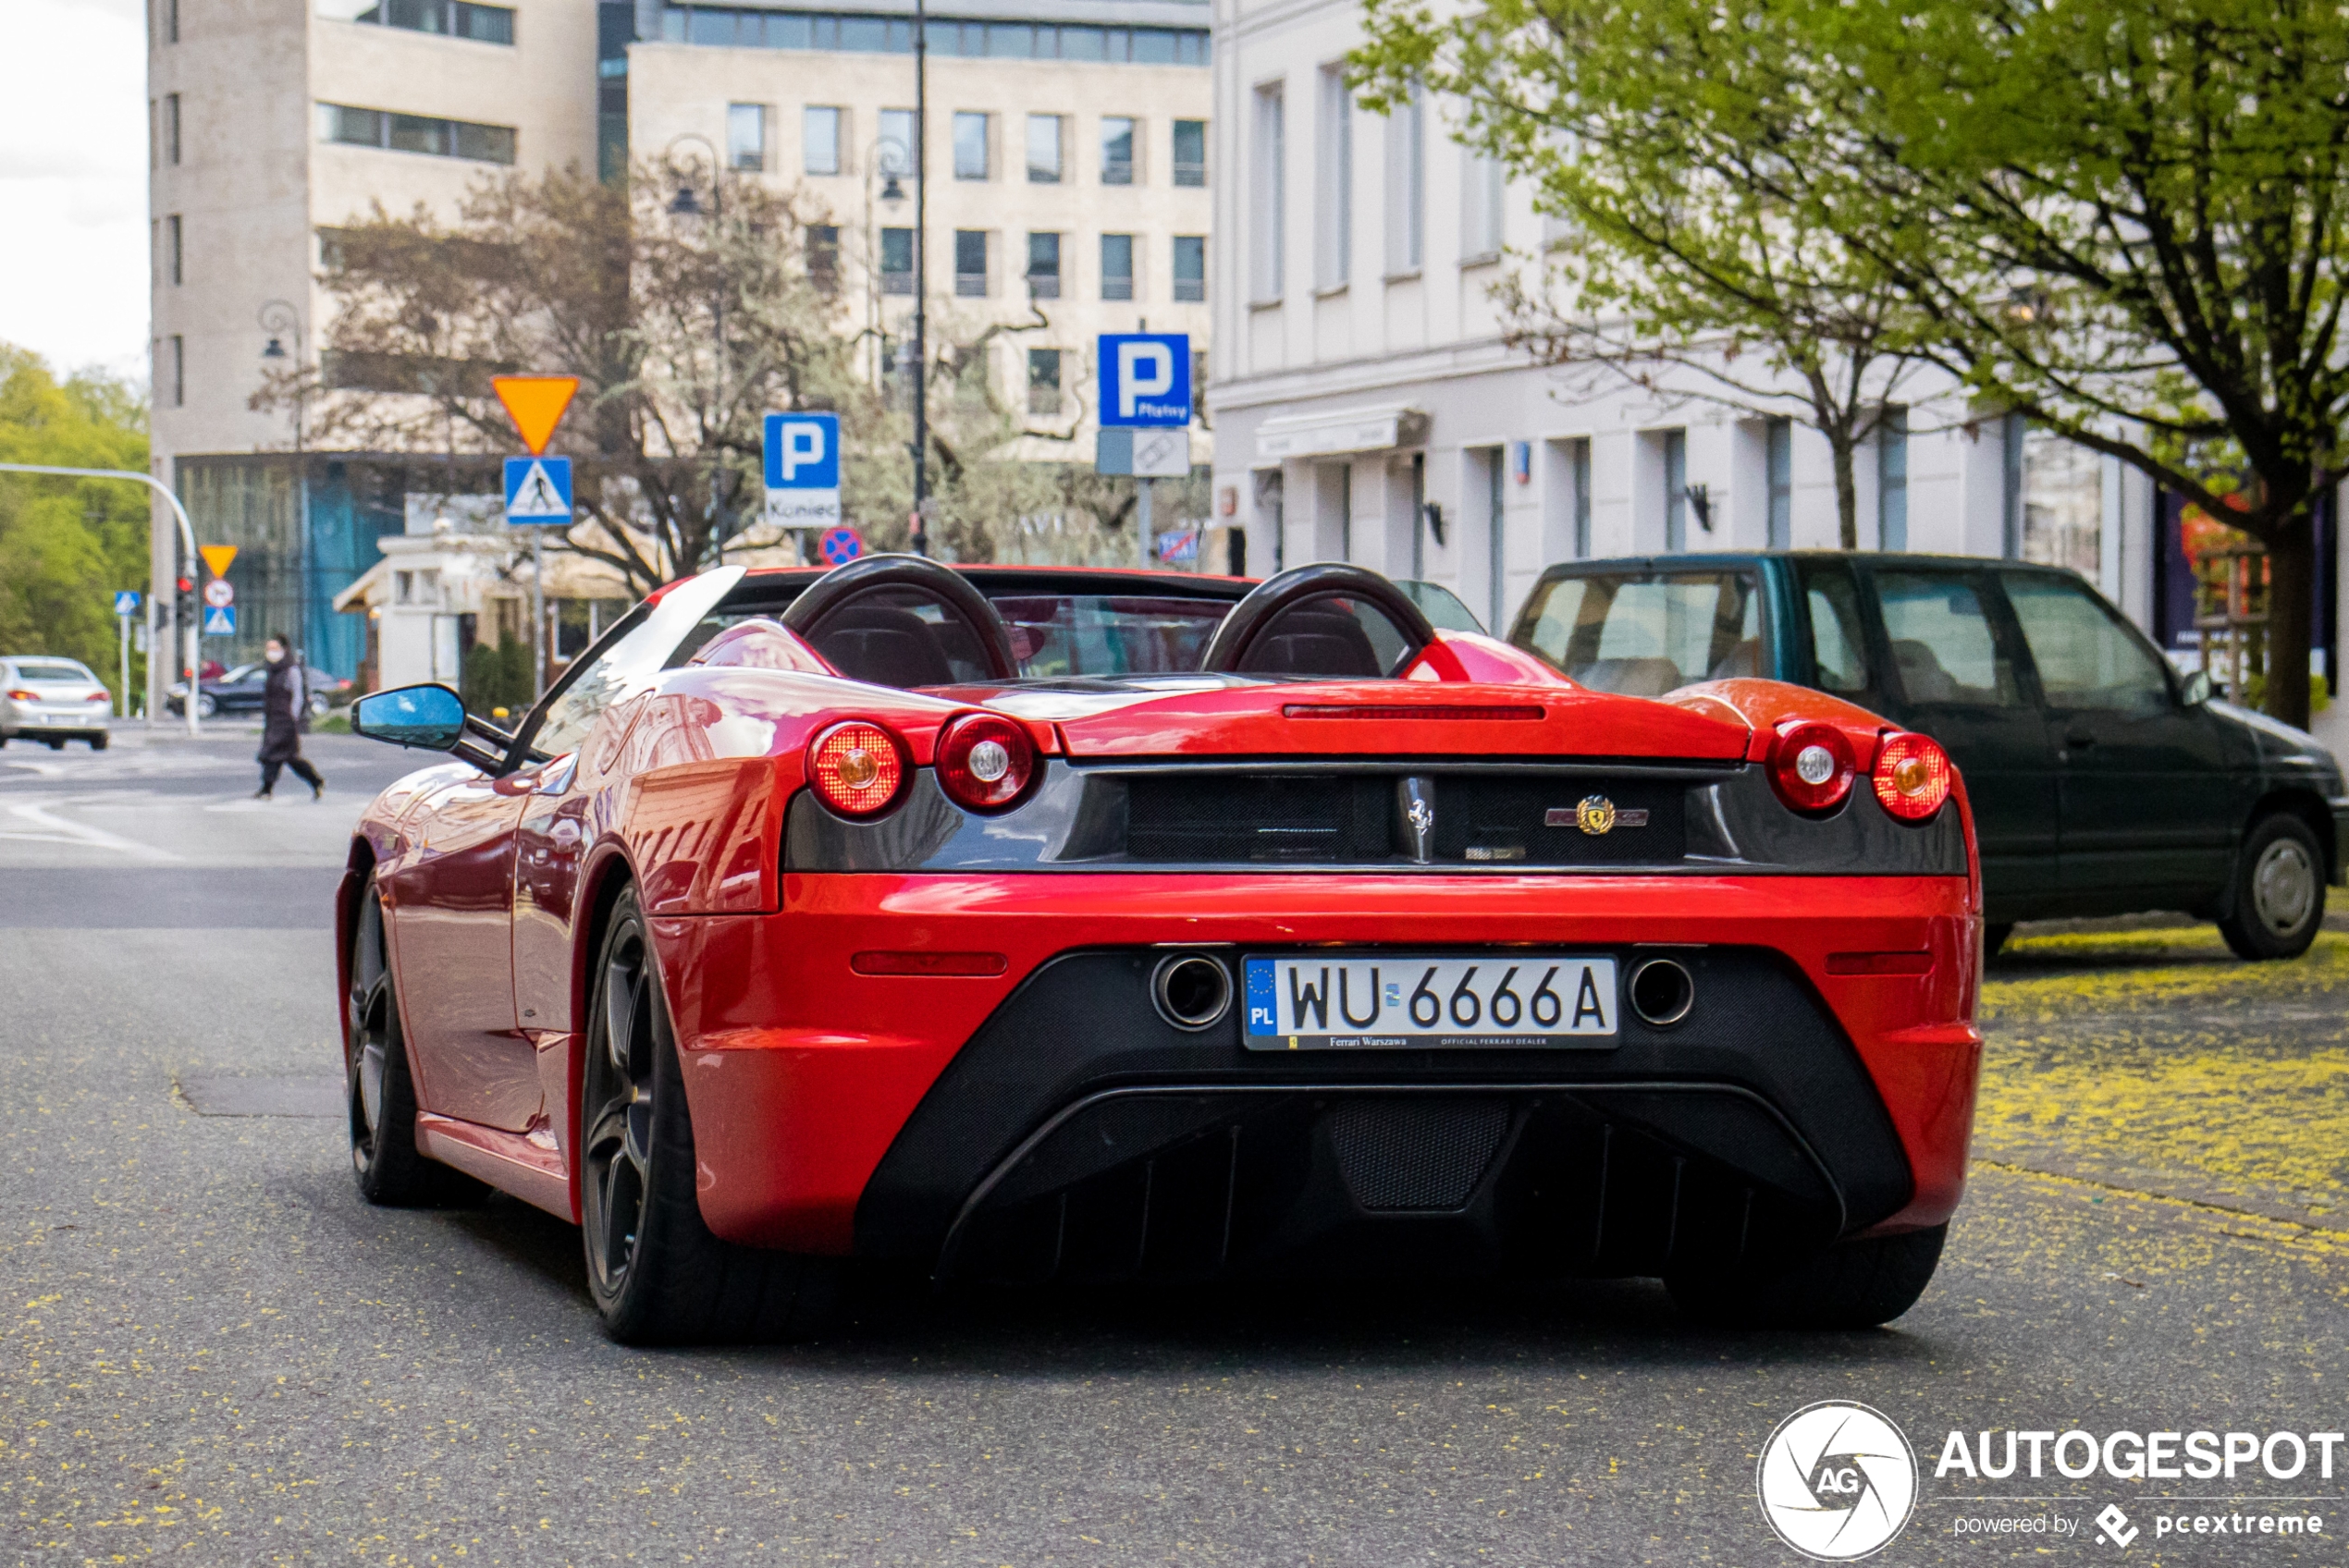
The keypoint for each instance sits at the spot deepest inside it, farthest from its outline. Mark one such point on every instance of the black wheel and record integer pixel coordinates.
(656, 1273)
(57, 743)
(97, 742)
(380, 1095)
(207, 705)
(1857, 1285)
(2278, 902)
(1995, 936)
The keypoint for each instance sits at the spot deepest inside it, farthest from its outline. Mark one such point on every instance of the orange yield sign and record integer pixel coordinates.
(535, 404)
(217, 556)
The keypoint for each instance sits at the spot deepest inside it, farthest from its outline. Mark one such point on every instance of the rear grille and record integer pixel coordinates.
(1398, 1155)
(1179, 817)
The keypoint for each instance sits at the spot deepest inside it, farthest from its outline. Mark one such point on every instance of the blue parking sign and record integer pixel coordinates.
(802, 453)
(1146, 379)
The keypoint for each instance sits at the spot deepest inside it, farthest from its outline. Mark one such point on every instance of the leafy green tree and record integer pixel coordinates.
(2123, 222)
(67, 544)
(1694, 267)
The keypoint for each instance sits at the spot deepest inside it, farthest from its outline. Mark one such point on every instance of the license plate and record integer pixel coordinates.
(1349, 1001)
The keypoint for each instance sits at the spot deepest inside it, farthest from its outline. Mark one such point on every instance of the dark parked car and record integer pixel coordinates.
(2103, 782)
(240, 689)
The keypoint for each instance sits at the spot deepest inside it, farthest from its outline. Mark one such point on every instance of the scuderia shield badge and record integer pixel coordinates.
(1836, 1480)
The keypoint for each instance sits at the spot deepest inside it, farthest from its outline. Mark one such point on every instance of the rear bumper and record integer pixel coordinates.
(953, 1122)
(45, 725)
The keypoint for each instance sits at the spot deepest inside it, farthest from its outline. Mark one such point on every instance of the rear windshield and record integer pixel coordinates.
(1058, 634)
(1646, 634)
(1052, 634)
(52, 670)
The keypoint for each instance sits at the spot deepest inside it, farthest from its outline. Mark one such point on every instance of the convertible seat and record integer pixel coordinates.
(883, 645)
(1313, 640)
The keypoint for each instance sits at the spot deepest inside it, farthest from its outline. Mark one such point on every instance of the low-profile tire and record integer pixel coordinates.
(2279, 896)
(1857, 1285)
(380, 1095)
(1995, 936)
(654, 1271)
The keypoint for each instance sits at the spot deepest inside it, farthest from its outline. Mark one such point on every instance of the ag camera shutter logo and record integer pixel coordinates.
(1836, 1480)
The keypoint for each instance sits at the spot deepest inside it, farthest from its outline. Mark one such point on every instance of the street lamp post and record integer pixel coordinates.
(278, 317)
(684, 204)
(921, 277)
(187, 538)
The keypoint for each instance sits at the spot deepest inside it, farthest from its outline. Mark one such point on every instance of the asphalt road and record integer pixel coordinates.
(215, 1353)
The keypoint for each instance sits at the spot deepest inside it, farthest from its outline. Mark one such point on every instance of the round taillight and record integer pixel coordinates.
(1912, 775)
(858, 768)
(985, 761)
(1811, 766)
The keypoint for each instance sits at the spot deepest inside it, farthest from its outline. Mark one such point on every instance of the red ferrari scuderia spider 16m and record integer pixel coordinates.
(1032, 923)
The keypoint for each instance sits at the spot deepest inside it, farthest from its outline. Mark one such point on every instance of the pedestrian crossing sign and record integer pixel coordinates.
(537, 492)
(220, 620)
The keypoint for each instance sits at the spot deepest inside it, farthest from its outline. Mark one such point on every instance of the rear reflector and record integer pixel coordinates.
(1456, 713)
(929, 963)
(1879, 963)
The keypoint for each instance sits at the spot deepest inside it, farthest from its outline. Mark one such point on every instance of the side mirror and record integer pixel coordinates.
(2198, 690)
(430, 717)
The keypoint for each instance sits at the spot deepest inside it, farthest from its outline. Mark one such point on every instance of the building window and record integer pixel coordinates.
(897, 142)
(970, 263)
(1267, 200)
(1407, 186)
(1778, 462)
(171, 21)
(1190, 152)
(819, 141)
(172, 254)
(1334, 183)
(171, 128)
(1117, 267)
(451, 18)
(1043, 149)
(1190, 268)
(2058, 491)
(1579, 459)
(1117, 149)
(1892, 480)
(1043, 380)
(727, 27)
(746, 137)
(178, 372)
(1483, 205)
(970, 146)
(415, 133)
(1676, 490)
(897, 260)
(1044, 266)
(823, 256)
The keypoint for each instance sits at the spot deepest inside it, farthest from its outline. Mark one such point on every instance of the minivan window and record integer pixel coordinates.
(1942, 642)
(1646, 634)
(2085, 657)
(1838, 646)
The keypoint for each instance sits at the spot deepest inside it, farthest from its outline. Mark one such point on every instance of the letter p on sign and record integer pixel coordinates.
(1146, 379)
(803, 443)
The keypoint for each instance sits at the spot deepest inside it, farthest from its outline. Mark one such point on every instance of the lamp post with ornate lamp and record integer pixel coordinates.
(279, 319)
(686, 205)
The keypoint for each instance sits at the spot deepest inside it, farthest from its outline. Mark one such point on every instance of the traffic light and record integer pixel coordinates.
(184, 604)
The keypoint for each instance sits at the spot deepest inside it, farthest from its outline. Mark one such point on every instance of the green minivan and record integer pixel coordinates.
(2103, 782)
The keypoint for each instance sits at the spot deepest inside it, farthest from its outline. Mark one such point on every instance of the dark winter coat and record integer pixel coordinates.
(283, 708)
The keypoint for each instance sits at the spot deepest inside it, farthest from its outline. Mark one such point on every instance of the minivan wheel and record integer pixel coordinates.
(2278, 900)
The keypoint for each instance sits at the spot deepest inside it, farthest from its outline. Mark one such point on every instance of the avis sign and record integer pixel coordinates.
(803, 470)
(1146, 379)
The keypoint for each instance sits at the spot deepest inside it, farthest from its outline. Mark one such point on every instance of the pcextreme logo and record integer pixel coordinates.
(1836, 1480)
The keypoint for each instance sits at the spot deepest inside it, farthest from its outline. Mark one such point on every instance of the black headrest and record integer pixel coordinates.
(1266, 610)
(874, 575)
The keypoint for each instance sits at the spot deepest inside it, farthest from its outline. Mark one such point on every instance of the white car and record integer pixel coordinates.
(46, 698)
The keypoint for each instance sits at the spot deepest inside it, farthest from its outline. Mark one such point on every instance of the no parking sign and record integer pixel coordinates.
(840, 545)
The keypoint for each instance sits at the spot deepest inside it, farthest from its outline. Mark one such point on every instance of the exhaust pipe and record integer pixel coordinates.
(1191, 990)
(1662, 992)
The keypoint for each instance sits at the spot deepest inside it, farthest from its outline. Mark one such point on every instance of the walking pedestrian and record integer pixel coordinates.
(285, 714)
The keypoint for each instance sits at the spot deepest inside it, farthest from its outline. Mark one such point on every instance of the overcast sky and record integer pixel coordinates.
(73, 182)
